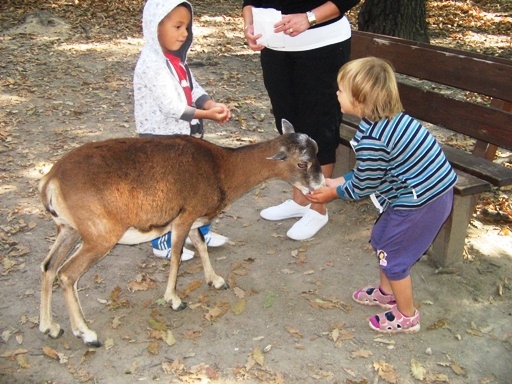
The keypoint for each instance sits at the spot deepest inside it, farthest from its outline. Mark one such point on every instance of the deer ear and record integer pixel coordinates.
(281, 155)
(287, 127)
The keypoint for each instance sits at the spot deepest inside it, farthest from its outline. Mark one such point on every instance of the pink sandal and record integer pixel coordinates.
(374, 296)
(394, 321)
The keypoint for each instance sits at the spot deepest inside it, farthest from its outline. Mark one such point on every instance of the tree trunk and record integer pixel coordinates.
(399, 18)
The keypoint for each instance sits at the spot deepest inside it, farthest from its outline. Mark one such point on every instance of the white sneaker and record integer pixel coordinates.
(286, 210)
(308, 226)
(211, 239)
(186, 255)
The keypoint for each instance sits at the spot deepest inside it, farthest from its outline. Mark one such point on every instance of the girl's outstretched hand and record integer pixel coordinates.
(327, 193)
(322, 195)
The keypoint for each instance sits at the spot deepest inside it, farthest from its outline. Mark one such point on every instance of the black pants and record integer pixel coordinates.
(302, 89)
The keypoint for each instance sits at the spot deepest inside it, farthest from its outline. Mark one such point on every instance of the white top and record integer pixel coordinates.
(265, 18)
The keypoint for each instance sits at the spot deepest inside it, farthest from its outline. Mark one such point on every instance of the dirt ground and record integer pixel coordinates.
(288, 316)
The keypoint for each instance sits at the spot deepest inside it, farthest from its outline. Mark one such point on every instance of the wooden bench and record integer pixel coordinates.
(437, 86)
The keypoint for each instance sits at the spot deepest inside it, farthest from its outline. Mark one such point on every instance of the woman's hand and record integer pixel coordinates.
(292, 25)
(252, 38)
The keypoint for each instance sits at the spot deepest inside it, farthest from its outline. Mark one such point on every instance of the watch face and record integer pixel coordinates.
(311, 18)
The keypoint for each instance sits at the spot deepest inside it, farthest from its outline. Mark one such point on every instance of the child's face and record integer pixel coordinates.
(345, 104)
(172, 30)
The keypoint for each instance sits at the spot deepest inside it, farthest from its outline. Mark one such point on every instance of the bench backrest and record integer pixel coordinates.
(468, 72)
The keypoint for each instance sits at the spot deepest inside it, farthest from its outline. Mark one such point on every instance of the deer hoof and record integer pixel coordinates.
(53, 331)
(182, 306)
(59, 334)
(94, 343)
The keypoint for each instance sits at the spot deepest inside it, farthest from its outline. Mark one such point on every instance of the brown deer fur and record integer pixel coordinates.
(133, 190)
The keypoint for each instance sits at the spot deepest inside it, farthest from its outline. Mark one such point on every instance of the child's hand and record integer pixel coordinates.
(327, 193)
(226, 113)
(322, 195)
(217, 112)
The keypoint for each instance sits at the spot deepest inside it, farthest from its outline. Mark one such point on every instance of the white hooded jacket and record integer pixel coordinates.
(160, 102)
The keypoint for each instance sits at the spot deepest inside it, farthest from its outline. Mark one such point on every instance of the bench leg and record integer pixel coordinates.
(448, 247)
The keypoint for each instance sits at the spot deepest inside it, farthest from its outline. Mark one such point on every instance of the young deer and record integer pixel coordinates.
(132, 190)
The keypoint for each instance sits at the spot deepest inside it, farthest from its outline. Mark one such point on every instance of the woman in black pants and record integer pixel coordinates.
(300, 58)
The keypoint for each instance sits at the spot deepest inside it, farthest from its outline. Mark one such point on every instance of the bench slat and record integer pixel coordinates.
(496, 174)
(445, 66)
(480, 122)
(468, 185)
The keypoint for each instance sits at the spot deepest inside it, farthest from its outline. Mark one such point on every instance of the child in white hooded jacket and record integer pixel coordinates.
(168, 99)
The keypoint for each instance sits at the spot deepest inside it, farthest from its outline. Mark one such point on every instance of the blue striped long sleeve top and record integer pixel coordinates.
(398, 163)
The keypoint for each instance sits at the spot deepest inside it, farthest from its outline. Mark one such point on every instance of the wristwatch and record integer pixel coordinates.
(311, 18)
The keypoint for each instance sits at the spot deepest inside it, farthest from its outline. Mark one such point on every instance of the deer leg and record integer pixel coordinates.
(67, 238)
(84, 258)
(177, 243)
(211, 277)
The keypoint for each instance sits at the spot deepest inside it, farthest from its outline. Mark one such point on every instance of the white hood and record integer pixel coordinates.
(154, 12)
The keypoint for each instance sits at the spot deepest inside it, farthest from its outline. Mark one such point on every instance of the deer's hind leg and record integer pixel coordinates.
(67, 238)
(87, 255)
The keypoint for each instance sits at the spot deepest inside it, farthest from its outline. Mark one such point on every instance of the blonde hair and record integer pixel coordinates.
(370, 85)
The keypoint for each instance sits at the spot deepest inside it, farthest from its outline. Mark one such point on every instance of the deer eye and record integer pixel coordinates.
(302, 165)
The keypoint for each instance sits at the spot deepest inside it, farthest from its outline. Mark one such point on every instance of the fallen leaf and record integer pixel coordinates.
(269, 300)
(240, 293)
(192, 287)
(441, 323)
(109, 343)
(335, 334)
(219, 310)
(176, 367)
(417, 370)
(51, 353)
(362, 353)
(168, 337)
(239, 307)
(22, 361)
(153, 347)
(157, 325)
(116, 322)
(294, 332)
(142, 283)
(474, 332)
(133, 368)
(323, 304)
(6, 335)
(14, 353)
(191, 334)
(384, 341)
(457, 369)
(258, 356)
(385, 371)
(351, 373)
